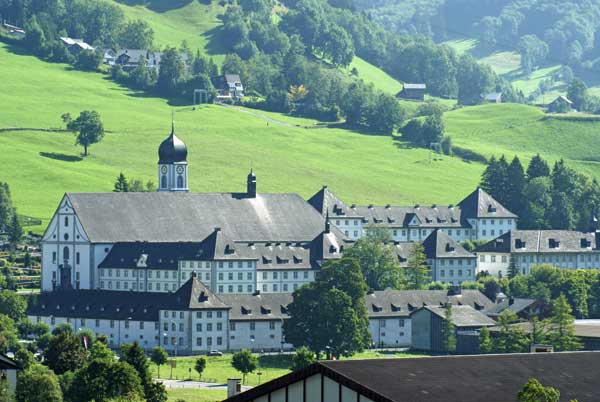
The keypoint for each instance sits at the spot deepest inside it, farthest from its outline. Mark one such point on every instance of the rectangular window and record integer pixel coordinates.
(250, 288)
(401, 323)
(141, 324)
(198, 341)
(275, 288)
(240, 276)
(97, 323)
(199, 327)
(230, 276)
(232, 326)
(219, 341)
(249, 276)
(305, 274)
(219, 314)
(230, 288)
(209, 341)
(209, 314)
(295, 274)
(274, 275)
(180, 327)
(264, 275)
(482, 258)
(285, 275)
(126, 324)
(271, 325)
(252, 326)
(240, 288)
(219, 326)
(77, 259)
(112, 323)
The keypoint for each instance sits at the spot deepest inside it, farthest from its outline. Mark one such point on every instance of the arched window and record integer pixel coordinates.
(179, 181)
(66, 221)
(66, 253)
(163, 181)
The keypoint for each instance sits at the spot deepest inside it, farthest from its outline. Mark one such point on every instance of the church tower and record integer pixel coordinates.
(172, 164)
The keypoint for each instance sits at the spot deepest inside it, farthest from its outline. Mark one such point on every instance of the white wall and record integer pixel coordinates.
(390, 332)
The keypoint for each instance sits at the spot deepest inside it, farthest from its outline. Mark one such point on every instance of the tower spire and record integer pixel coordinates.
(172, 122)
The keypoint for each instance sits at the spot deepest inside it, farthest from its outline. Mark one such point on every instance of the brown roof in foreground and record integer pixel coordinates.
(490, 378)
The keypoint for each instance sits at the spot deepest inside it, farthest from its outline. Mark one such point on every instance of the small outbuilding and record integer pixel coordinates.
(413, 92)
(494, 97)
(8, 371)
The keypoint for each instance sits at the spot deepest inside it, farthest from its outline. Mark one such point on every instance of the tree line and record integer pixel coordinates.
(10, 224)
(544, 198)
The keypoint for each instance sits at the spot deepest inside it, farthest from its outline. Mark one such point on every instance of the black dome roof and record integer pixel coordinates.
(172, 150)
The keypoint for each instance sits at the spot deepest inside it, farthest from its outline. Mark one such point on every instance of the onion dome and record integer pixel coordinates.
(172, 150)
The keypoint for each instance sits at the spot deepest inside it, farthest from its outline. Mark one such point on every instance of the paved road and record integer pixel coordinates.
(195, 384)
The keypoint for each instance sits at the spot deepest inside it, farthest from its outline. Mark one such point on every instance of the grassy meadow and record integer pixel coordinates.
(196, 395)
(222, 142)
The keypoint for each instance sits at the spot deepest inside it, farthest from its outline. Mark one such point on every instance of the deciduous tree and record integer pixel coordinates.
(88, 128)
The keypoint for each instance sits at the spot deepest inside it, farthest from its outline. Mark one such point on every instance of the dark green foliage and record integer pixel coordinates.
(534, 391)
(474, 80)
(577, 93)
(244, 362)
(136, 34)
(303, 357)
(515, 185)
(121, 184)
(12, 305)
(103, 380)
(171, 72)
(159, 357)
(449, 331)
(199, 366)
(485, 341)
(418, 274)
(378, 263)
(88, 60)
(562, 330)
(38, 384)
(537, 168)
(65, 353)
(533, 52)
(8, 334)
(331, 311)
(88, 128)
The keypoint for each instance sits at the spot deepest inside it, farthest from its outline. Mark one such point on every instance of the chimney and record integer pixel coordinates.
(251, 185)
(327, 223)
(234, 387)
(454, 290)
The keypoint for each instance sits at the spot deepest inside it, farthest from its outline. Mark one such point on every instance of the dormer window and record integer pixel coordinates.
(396, 307)
(491, 209)
(246, 310)
(297, 260)
(265, 310)
(553, 243)
(332, 249)
(520, 244)
(377, 308)
(449, 248)
(585, 243)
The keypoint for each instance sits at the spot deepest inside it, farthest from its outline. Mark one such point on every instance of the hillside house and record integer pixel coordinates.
(8, 371)
(14, 31)
(562, 104)
(75, 45)
(494, 97)
(229, 87)
(413, 92)
(129, 59)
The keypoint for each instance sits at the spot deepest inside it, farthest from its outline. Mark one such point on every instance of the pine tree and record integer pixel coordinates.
(15, 231)
(513, 270)
(418, 274)
(449, 331)
(560, 213)
(516, 184)
(121, 185)
(562, 331)
(534, 391)
(494, 179)
(537, 168)
(485, 341)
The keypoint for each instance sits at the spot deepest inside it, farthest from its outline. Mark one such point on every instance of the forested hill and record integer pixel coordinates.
(561, 31)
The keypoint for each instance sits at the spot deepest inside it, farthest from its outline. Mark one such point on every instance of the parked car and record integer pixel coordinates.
(215, 353)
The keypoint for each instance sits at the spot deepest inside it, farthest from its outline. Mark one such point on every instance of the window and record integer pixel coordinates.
(181, 315)
(219, 314)
(252, 326)
(219, 326)
(249, 288)
(382, 323)
(503, 258)
(274, 275)
(230, 288)
(219, 341)
(209, 341)
(295, 274)
(240, 276)
(199, 327)
(272, 325)
(97, 323)
(285, 275)
(220, 288)
(232, 326)
(443, 272)
(230, 276)
(275, 288)
(240, 288)
(126, 324)
(54, 257)
(265, 288)
(180, 327)
(493, 258)
(209, 314)
(305, 274)
(230, 264)
(157, 274)
(249, 276)
(112, 323)
(285, 287)
(401, 323)
(264, 275)
(482, 258)
(198, 341)
(66, 221)
(163, 181)
(66, 253)
(240, 264)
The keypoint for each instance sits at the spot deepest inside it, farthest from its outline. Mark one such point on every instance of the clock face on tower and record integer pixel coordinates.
(163, 170)
(180, 169)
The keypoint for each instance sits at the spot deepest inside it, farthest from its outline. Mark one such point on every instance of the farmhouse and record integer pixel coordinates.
(131, 58)
(494, 97)
(229, 87)
(561, 104)
(413, 92)
(75, 45)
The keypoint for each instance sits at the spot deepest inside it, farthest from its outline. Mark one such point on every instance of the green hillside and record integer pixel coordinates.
(222, 142)
(524, 130)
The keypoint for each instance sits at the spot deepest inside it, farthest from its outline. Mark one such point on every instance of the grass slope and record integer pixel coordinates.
(524, 130)
(196, 395)
(174, 21)
(222, 144)
(379, 78)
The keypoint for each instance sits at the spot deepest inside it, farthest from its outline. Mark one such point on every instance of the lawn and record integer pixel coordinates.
(222, 143)
(219, 369)
(503, 62)
(379, 78)
(196, 395)
(174, 21)
(462, 45)
(525, 130)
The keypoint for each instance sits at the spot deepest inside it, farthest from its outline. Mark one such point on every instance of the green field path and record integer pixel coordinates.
(222, 145)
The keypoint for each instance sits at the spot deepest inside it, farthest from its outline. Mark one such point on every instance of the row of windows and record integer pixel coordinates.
(150, 274)
(240, 276)
(338, 222)
(451, 261)
(166, 287)
(284, 288)
(284, 275)
(492, 232)
(451, 272)
(483, 258)
(209, 341)
(382, 323)
(232, 289)
(83, 322)
(500, 222)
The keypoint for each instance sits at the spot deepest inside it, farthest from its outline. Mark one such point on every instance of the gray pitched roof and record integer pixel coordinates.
(439, 245)
(541, 241)
(463, 316)
(324, 201)
(123, 305)
(480, 204)
(414, 86)
(402, 217)
(6, 363)
(402, 302)
(253, 307)
(190, 217)
(516, 305)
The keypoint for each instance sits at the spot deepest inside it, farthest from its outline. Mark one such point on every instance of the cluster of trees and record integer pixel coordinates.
(544, 198)
(329, 315)
(101, 24)
(563, 31)
(9, 220)
(425, 131)
(557, 330)
(122, 185)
